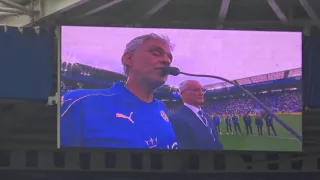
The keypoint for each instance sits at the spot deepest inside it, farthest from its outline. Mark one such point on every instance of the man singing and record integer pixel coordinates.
(125, 115)
(194, 128)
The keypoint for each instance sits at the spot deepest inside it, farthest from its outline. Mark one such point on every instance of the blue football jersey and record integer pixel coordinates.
(114, 118)
(216, 119)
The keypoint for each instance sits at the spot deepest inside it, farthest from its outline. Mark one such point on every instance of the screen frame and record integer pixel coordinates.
(58, 32)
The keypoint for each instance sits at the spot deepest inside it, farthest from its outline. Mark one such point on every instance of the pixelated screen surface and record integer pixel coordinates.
(100, 110)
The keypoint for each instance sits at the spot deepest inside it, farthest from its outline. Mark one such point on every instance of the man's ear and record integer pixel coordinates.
(128, 59)
(181, 93)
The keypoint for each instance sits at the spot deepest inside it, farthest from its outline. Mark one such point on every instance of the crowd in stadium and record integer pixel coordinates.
(231, 109)
(289, 101)
(280, 102)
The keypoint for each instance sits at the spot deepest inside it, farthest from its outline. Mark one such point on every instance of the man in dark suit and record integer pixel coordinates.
(269, 123)
(194, 128)
(216, 118)
(259, 124)
(247, 123)
(228, 124)
(236, 124)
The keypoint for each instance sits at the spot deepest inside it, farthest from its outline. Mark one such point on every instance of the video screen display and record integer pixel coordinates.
(115, 92)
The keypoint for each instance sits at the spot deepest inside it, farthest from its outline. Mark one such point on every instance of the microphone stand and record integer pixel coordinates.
(268, 110)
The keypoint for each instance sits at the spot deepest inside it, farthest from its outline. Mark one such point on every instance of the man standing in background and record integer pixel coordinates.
(259, 124)
(194, 128)
(216, 118)
(236, 125)
(227, 120)
(247, 123)
(269, 123)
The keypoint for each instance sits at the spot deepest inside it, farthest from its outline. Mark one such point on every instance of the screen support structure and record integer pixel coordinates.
(57, 98)
(53, 100)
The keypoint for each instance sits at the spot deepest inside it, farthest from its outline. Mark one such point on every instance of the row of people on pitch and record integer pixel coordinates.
(128, 116)
(259, 123)
(229, 121)
(234, 121)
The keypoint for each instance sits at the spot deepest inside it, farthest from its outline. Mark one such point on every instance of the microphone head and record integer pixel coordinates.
(171, 71)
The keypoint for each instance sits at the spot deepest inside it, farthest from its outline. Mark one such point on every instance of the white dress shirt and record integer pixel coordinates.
(194, 109)
(204, 120)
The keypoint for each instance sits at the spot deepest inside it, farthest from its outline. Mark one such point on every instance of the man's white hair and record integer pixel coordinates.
(135, 44)
(184, 85)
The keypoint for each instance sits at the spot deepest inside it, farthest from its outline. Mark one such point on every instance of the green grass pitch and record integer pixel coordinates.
(283, 142)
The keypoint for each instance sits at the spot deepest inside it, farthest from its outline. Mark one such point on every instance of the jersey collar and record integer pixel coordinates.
(127, 95)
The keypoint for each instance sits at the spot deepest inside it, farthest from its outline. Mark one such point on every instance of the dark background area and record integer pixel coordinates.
(31, 125)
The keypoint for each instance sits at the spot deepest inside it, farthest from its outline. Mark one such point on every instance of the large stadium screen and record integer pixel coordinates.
(115, 93)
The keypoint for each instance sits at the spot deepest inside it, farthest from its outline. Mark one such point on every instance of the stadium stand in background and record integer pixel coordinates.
(281, 102)
(280, 96)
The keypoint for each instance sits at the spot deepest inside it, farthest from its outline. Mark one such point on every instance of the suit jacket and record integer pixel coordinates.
(192, 133)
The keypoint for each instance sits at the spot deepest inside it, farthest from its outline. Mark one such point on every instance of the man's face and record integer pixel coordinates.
(148, 61)
(193, 93)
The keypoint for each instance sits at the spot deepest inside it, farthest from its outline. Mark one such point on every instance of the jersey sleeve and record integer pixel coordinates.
(71, 120)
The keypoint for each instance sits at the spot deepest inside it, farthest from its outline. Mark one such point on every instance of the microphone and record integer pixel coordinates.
(171, 71)
(174, 71)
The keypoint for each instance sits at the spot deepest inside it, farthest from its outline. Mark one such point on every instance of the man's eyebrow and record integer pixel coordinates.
(154, 47)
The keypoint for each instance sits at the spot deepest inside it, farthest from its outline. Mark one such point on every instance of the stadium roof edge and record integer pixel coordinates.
(222, 84)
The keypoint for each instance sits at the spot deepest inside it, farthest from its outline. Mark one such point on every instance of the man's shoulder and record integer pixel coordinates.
(81, 94)
(87, 96)
(180, 112)
(159, 102)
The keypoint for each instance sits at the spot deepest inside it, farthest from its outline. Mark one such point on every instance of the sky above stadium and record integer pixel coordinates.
(229, 54)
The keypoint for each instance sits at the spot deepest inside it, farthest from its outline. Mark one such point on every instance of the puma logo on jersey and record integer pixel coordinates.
(119, 115)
